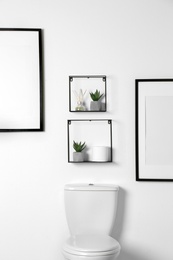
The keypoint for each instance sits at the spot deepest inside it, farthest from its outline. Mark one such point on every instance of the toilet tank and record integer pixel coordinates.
(90, 208)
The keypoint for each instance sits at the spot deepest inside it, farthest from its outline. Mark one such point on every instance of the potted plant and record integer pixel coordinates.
(78, 156)
(95, 104)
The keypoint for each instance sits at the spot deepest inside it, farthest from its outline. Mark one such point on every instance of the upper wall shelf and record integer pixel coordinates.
(83, 90)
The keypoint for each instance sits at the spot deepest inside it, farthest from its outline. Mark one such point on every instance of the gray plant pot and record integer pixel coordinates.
(95, 105)
(78, 157)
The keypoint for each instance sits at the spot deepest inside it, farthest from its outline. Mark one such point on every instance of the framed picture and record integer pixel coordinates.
(21, 85)
(154, 129)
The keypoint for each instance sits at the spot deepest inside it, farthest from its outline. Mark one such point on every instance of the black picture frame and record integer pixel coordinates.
(22, 86)
(150, 95)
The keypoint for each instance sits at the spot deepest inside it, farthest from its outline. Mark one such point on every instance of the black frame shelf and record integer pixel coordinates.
(109, 139)
(102, 77)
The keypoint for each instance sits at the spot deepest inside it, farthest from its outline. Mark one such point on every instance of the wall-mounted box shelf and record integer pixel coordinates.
(96, 133)
(80, 88)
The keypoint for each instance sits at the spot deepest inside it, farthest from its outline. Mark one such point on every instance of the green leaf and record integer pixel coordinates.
(95, 96)
(79, 146)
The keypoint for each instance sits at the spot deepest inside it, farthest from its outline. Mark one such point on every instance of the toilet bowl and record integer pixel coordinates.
(91, 212)
(92, 247)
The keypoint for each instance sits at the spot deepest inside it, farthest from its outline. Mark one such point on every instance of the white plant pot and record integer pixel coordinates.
(100, 153)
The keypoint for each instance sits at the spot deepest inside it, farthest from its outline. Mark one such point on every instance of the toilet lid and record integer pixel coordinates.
(91, 244)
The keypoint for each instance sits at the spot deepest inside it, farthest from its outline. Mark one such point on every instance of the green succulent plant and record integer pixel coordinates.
(79, 147)
(95, 96)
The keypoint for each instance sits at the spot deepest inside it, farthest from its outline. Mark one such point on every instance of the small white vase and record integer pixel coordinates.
(100, 153)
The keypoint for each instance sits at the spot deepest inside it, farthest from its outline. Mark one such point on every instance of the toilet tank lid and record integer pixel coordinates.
(91, 187)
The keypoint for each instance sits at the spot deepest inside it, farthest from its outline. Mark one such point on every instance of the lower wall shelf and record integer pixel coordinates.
(96, 134)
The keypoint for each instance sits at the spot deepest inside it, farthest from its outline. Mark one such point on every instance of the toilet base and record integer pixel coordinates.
(91, 247)
(68, 256)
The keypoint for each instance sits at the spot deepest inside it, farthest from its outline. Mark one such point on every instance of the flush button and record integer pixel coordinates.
(91, 184)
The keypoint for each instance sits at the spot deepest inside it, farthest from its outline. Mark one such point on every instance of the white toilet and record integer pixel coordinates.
(91, 211)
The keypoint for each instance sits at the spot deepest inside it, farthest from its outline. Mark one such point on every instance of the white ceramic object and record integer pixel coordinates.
(92, 247)
(100, 153)
(91, 211)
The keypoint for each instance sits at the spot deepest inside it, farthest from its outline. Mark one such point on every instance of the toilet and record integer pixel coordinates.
(90, 213)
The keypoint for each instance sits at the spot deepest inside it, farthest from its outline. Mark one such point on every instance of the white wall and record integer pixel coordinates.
(123, 40)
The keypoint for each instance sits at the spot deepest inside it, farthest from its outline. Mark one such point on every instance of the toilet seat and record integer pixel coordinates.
(91, 245)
